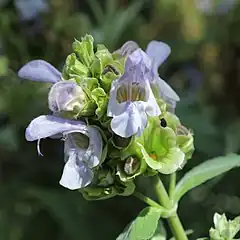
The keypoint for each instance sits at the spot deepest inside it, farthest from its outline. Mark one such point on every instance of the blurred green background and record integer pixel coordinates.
(204, 68)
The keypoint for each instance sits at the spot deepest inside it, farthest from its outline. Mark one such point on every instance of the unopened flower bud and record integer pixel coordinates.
(66, 96)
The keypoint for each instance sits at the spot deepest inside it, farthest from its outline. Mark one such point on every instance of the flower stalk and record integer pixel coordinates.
(147, 200)
(172, 183)
(173, 221)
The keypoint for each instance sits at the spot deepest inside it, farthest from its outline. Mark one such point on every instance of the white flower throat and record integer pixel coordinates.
(132, 91)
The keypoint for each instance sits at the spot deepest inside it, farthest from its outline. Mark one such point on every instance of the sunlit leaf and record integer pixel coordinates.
(160, 233)
(143, 227)
(204, 172)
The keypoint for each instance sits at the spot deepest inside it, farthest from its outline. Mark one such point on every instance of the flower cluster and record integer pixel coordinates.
(115, 115)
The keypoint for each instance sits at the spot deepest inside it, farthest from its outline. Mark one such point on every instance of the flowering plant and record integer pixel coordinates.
(117, 119)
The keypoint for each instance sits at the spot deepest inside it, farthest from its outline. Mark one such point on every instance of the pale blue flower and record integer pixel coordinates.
(158, 52)
(131, 97)
(82, 147)
(40, 70)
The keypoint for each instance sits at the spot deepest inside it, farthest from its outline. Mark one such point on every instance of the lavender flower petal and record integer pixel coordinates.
(151, 107)
(166, 91)
(47, 125)
(94, 150)
(158, 52)
(75, 173)
(39, 70)
(132, 121)
(64, 96)
(127, 48)
(138, 58)
(114, 108)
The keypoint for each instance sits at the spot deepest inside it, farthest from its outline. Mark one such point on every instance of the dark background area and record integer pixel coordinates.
(204, 68)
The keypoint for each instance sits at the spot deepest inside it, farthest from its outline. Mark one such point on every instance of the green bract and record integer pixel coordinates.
(101, 99)
(224, 229)
(74, 68)
(84, 49)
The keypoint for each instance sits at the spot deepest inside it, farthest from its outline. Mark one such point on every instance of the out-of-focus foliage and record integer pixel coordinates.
(203, 68)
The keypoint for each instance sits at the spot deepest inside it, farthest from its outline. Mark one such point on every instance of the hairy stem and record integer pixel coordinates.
(173, 221)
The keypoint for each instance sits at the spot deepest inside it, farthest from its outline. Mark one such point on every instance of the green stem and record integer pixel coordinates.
(147, 200)
(172, 183)
(173, 221)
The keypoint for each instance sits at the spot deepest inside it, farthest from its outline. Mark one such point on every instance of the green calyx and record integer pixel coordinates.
(160, 146)
(106, 184)
(130, 168)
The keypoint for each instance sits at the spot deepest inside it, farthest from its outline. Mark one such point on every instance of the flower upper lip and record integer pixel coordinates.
(40, 70)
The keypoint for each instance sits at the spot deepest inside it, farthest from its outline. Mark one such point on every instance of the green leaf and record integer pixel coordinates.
(204, 172)
(143, 227)
(160, 233)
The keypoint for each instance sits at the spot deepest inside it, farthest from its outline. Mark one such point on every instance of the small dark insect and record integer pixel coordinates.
(110, 68)
(163, 122)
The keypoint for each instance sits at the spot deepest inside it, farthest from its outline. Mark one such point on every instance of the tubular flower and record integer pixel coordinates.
(131, 97)
(158, 53)
(82, 148)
